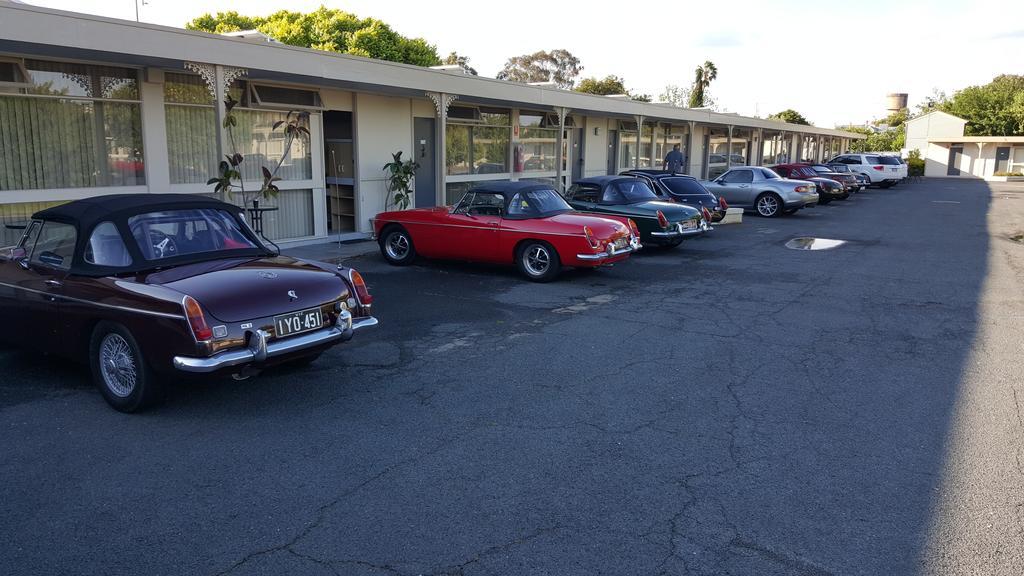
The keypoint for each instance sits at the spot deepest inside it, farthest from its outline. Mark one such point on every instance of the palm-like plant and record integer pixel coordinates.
(703, 77)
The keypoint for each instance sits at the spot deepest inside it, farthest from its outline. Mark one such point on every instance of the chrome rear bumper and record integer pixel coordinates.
(678, 231)
(611, 251)
(260, 350)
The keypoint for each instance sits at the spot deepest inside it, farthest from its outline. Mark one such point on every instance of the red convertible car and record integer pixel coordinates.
(524, 223)
(150, 286)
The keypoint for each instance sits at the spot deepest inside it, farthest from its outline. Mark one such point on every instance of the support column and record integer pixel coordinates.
(639, 134)
(218, 81)
(561, 111)
(154, 131)
(441, 102)
(728, 149)
(691, 147)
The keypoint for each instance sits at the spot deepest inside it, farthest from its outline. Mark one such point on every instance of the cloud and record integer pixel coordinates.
(1009, 35)
(720, 41)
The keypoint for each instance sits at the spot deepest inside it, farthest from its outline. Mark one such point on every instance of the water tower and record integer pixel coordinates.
(895, 102)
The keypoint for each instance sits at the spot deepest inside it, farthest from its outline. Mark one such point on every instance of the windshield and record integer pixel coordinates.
(840, 168)
(889, 160)
(683, 186)
(537, 203)
(822, 169)
(182, 232)
(633, 191)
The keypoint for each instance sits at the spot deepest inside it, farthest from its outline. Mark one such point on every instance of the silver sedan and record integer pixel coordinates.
(761, 189)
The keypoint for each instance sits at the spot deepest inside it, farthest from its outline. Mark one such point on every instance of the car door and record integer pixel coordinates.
(42, 284)
(735, 186)
(472, 228)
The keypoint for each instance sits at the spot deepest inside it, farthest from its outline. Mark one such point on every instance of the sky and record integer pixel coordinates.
(834, 62)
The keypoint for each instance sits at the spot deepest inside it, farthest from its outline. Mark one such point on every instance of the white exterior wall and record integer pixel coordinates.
(932, 126)
(595, 151)
(382, 125)
(974, 163)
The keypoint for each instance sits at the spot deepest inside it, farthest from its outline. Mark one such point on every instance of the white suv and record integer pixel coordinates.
(880, 170)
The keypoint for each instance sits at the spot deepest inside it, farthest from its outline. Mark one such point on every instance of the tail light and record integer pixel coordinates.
(594, 242)
(802, 189)
(362, 293)
(879, 168)
(196, 320)
(723, 203)
(704, 212)
(633, 228)
(662, 221)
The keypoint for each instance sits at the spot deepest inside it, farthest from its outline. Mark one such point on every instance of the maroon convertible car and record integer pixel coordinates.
(149, 286)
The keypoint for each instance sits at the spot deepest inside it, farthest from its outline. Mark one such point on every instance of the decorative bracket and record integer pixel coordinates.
(441, 102)
(209, 74)
(562, 112)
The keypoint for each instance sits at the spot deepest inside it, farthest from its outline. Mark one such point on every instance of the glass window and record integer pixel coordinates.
(769, 174)
(540, 146)
(889, 160)
(55, 245)
(484, 204)
(478, 148)
(28, 240)
(873, 159)
(282, 96)
(262, 146)
(627, 148)
(106, 247)
(738, 177)
(684, 186)
(182, 232)
(629, 192)
(537, 203)
(82, 138)
(585, 192)
(191, 129)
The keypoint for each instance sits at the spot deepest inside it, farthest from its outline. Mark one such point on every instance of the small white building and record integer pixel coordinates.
(947, 152)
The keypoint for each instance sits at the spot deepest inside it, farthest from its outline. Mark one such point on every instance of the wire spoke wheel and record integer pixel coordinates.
(117, 365)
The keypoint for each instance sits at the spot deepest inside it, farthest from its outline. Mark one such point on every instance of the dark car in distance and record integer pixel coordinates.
(685, 190)
(149, 287)
(828, 190)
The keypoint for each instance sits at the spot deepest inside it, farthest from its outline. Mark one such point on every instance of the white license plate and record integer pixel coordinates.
(688, 224)
(621, 243)
(297, 322)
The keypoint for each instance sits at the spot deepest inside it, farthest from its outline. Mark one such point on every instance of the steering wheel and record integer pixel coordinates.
(163, 245)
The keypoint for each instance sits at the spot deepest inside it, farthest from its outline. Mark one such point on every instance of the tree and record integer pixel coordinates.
(608, 86)
(453, 59)
(885, 141)
(327, 29)
(675, 95)
(791, 116)
(703, 77)
(994, 109)
(558, 66)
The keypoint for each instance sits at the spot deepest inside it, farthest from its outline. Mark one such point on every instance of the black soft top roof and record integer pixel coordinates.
(509, 188)
(603, 180)
(91, 211)
(654, 173)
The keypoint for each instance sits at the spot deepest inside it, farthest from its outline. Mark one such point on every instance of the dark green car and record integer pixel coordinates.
(660, 222)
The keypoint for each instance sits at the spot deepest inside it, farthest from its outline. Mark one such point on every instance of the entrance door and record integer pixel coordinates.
(426, 176)
(613, 151)
(956, 154)
(577, 154)
(340, 173)
(1002, 158)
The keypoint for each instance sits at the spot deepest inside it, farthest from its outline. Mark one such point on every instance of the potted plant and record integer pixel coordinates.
(400, 176)
(229, 180)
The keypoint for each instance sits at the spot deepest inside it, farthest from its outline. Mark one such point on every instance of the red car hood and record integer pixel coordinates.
(250, 289)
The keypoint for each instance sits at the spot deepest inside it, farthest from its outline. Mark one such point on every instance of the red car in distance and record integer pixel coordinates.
(522, 223)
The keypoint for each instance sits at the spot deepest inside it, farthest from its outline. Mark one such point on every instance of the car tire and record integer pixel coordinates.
(538, 261)
(120, 371)
(396, 246)
(823, 199)
(769, 205)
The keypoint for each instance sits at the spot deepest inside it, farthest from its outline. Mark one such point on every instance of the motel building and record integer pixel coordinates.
(92, 105)
(948, 153)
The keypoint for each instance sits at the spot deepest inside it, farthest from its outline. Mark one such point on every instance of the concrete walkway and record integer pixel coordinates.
(332, 252)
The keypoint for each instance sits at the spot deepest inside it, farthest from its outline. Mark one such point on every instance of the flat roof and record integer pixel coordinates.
(979, 139)
(41, 32)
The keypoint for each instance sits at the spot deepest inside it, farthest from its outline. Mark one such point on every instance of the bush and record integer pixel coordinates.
(1008, 174)
(915, 164)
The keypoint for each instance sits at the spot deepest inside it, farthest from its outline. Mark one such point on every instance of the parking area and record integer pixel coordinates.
(728, 406)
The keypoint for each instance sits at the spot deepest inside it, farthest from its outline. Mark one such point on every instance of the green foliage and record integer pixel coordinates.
(453, 59)
(897, 119)
(400, 175)
(327, 29)
(608, 86)
(703, 77)
(915, 164)
(885, 141)
(791, 116)
(558, 66)
(994, 109)
(675, 95)
(1009, 174)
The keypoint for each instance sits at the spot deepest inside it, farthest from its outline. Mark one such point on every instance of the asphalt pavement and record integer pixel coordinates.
(730, 406)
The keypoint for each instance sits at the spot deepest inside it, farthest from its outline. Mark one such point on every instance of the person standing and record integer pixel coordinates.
(673, 161)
